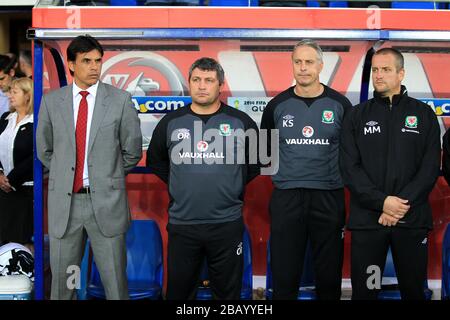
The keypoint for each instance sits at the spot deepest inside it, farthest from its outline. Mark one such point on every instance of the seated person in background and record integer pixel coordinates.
(25, 63)
(16, 166)
(15, 64)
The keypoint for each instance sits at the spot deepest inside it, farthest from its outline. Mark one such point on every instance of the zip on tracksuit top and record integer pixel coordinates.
(205, 192)
(390, 150)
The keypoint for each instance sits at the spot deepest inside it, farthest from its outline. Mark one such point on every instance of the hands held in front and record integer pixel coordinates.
(387, 220)
(394, 209)
(4, 183)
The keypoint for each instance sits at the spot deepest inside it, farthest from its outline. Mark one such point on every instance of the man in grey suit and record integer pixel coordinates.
(89, 137)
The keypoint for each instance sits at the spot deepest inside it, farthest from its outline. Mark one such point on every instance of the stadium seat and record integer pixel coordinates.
(124, 2)
(233, 3)
(204, 291)
(334, 4)
(144, 264)
(282, 3)
(172, 2)
(313, 4)
(338, 4)
(88, 2)
(417, 5)
(306, 289)
(391, 290)
(445, 288)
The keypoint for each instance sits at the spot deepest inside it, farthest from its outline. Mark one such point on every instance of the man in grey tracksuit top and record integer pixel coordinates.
(307, 204)
(193, 150)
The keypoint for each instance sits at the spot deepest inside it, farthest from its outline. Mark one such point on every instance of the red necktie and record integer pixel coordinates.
(80, 135)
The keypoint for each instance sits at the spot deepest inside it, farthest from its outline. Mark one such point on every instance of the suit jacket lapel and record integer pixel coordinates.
(99, 113)
(67, 113)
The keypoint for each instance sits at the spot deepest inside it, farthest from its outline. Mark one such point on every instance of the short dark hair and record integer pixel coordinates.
(208, 64)
(399, 60)
(82, 44)
(6, 63)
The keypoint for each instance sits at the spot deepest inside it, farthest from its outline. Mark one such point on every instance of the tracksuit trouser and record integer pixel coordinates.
(299, 216)
(221, 244)
(369, 249)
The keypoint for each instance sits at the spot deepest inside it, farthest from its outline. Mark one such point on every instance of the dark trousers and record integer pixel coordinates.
(16, 216)
(299, 215)
(410, 255)
(188, 246)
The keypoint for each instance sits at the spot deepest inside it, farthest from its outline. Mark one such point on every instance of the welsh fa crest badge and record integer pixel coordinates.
(411, 122)
(328, 116)
(225, 129)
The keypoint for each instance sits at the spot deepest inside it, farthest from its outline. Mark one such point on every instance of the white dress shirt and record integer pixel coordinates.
(76, 105)
(7, 142)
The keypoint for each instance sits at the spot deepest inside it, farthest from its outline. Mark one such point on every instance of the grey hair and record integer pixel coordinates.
(312, 44)
(208, 64)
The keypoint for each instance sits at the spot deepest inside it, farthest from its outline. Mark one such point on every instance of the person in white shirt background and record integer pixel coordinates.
(16, 166)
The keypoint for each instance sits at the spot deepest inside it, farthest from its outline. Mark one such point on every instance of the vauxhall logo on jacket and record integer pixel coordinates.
(308, 132)
(218, 145)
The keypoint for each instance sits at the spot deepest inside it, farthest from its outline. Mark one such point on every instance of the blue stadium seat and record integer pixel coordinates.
(338, 4)
(233, 3)
(306, 289)
(144, 264)
(283, 3)
(445, 288)
(392, 291)
(417, 5)
(204, 292)
(313, 4)
(170, 2)
(335, 4)
(124, 2)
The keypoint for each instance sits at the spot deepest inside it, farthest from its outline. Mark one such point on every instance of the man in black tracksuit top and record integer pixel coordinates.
(446, 156)
(390, 157)
(199, 152)
(307, 202)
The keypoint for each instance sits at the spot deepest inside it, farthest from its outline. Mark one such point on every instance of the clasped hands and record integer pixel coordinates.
(394, 209)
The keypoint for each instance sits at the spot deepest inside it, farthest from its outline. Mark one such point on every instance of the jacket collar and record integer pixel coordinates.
(27, 119)
(395, 99)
